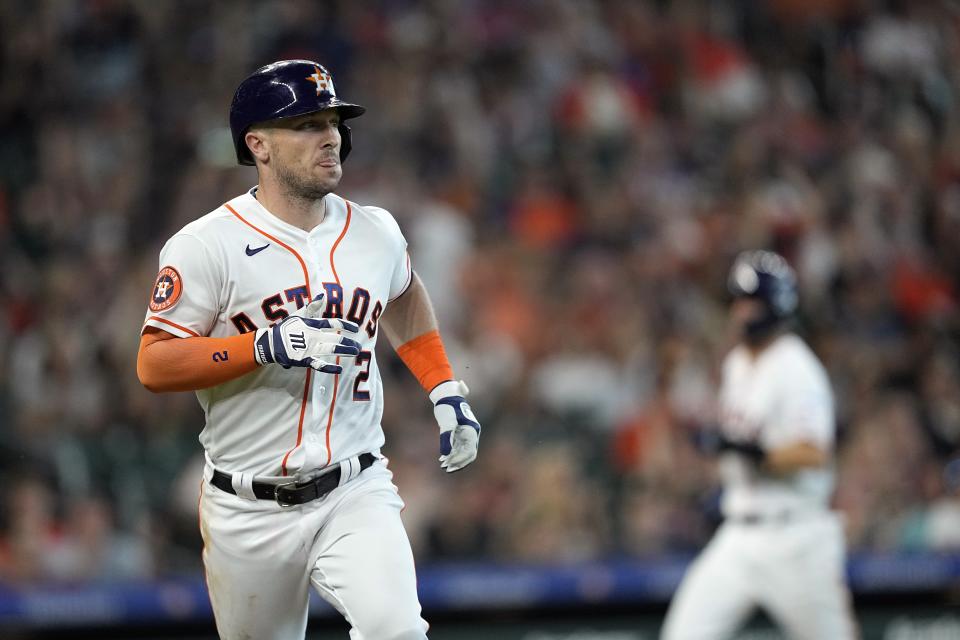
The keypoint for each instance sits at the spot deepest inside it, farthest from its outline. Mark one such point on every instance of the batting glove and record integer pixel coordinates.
(712, 441)
(304, 339)
(459, 429)
(747, 448)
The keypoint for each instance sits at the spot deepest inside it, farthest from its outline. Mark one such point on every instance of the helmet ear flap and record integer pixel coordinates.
(346, 141)
(244, 155)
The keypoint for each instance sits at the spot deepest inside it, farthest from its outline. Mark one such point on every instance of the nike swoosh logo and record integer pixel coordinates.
(253, 252)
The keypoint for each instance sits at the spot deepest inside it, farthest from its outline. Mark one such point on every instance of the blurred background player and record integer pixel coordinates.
(780, 546)
(270, 307)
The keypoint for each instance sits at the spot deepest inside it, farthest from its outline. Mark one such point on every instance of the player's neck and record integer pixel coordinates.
(755, 348)
(300, 212)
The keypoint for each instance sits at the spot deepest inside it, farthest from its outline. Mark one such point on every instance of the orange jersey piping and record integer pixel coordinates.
(336, 378)
(306, 277)
(172, 324)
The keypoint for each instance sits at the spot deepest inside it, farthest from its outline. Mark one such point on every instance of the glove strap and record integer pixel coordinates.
(455, 402)
(447, 389)
(262, 349)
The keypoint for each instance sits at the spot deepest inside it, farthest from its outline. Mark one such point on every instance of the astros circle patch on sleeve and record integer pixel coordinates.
(166, 290)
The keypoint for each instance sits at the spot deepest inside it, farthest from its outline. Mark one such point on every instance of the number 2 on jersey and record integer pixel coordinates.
(363, 359)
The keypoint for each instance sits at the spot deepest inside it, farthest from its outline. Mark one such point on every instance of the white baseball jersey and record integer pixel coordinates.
(779, 398)
(788, 555)
(240, 268)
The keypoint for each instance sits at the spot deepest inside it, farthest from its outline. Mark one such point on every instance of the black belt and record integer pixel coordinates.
(288, 494)
(780, 517)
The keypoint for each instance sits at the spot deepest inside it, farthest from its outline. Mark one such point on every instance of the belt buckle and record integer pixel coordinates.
(276, 494)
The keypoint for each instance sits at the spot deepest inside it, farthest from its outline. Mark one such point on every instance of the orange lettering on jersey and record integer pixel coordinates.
(166, 289)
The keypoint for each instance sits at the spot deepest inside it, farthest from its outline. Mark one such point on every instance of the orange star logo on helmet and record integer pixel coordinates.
(323, 81)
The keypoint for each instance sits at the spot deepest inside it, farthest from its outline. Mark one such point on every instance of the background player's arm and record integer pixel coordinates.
(166, 362)
(782, 460)
(794, 457)
(807, 414)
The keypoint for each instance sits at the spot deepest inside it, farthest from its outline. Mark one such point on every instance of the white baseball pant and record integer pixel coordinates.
(261, 559)
(794, 570)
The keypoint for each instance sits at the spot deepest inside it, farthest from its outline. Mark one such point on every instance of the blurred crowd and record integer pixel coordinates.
(574, 178)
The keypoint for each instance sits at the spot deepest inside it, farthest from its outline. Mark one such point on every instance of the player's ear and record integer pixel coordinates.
(258, 142)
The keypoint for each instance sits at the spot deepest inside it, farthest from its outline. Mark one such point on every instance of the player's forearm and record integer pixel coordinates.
(166, 363)
(411, 327)
(795, 457)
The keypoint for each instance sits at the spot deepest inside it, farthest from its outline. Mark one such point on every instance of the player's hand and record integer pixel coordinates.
(304, 339)
(459, 429)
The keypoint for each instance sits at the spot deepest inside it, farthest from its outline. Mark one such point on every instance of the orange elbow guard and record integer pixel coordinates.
(426, 359)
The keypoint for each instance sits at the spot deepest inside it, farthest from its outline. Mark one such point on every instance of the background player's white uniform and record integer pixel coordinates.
(240, 268)
(780, 547)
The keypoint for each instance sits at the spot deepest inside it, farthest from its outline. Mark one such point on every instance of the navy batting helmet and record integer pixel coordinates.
(286, 89)
(765, 276)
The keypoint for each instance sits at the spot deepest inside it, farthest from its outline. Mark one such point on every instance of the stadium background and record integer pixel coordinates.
(573, 177)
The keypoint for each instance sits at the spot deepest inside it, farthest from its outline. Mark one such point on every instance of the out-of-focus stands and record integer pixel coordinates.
(574, 178)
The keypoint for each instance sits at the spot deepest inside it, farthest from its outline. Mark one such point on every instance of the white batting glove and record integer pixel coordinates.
(459, 429)
(303, 339)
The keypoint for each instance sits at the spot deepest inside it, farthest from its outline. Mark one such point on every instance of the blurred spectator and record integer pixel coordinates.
(30, 531)
(92, 549)
(557, 516)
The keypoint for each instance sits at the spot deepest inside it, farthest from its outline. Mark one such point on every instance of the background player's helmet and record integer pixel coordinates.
(765, 276)
(286, 89)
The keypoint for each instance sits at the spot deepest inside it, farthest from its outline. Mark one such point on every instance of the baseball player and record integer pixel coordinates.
(269, 307)
(780, 547)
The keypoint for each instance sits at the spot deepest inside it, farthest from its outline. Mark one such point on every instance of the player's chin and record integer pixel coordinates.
(330, 169)
(328, 175)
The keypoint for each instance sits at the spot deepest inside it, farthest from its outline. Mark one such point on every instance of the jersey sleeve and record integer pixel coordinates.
(402, 276)
(401, 272)
(806, 412)
(185, 296)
